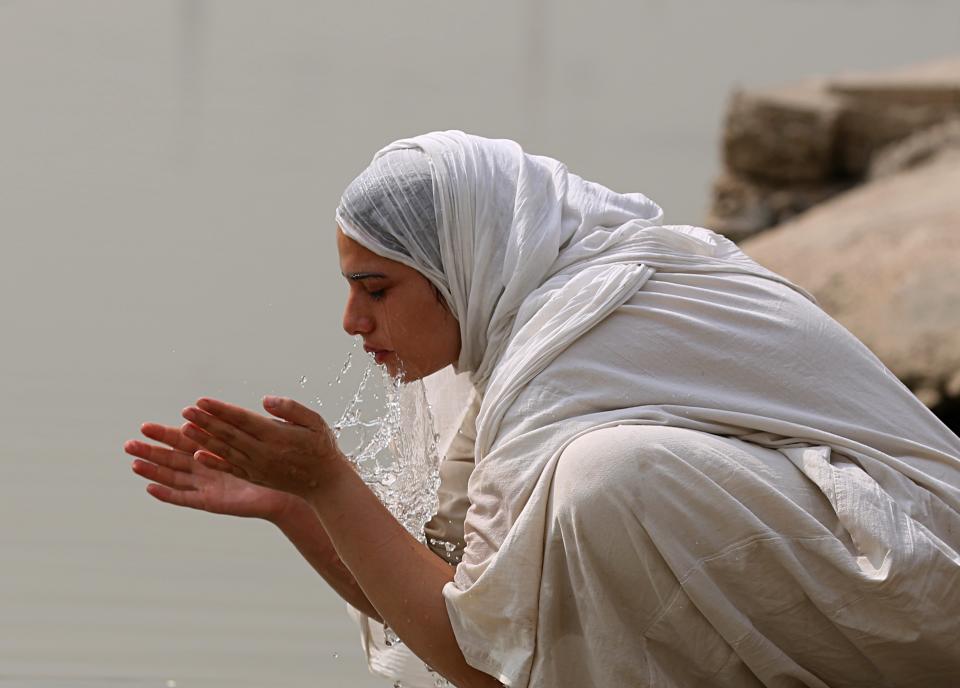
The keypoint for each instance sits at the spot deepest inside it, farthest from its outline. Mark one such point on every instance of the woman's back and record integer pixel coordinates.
(730, 355)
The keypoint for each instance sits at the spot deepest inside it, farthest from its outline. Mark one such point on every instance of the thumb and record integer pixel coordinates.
(293, 412)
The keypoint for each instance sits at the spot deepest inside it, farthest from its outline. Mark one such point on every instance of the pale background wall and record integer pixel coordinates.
(168, 174)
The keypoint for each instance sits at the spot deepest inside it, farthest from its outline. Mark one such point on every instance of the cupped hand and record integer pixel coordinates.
(177, 478)
(295, 451)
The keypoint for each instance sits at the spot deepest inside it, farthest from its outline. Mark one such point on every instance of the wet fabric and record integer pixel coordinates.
(579, 312)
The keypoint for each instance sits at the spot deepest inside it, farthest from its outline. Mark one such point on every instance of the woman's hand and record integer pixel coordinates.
(371, 559)
(181, 480)
(294, 452)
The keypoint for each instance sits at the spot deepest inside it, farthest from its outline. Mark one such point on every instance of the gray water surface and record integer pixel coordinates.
(168, 174)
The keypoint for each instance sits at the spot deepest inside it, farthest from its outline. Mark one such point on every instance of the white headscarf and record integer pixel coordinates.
(506, 222)
(532, 259)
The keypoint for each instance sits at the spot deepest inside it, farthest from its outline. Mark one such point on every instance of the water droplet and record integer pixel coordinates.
(346, 366)
(388, 479)
(171, 683)
(390, 638)
(336, 655)
(449, 546)
(303, 380)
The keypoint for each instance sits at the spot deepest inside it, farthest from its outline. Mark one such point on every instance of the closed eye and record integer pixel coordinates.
(377, 295)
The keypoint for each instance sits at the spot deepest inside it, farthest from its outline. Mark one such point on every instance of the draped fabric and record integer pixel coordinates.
(579, 312)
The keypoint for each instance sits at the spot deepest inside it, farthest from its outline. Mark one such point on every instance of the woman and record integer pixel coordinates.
(686, 473)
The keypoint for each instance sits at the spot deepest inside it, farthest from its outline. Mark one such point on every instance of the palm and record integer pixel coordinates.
(223, 493)
(181, 480)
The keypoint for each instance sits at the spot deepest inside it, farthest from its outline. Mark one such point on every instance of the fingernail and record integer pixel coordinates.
(271, 401)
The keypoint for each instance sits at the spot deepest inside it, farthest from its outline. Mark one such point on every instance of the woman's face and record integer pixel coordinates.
(397, 312)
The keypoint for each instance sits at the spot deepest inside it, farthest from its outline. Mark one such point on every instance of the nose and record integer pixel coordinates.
(355, 319)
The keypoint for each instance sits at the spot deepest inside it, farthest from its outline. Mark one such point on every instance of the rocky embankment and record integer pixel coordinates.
(851, 187)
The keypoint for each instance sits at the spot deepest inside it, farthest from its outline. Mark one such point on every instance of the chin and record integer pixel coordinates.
(401, 373)
(409, 372)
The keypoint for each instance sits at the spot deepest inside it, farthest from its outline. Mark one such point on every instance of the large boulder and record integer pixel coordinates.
(790, 147)
(884, 260)
(782, 135)
(742, 207)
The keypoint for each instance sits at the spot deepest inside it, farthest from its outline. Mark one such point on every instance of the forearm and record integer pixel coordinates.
(299, 522)
(400, 577)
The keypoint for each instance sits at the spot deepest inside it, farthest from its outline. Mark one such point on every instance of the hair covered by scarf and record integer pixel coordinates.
(391, 206)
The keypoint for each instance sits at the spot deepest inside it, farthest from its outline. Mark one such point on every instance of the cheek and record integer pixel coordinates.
(426, 324)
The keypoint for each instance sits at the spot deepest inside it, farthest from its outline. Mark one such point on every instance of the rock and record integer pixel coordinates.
(783, 135)
(883, 259)
(879, 109)
(953, 386)
(789, 147)
(742, 208)
(866, 127)
(934, 83)
(918, 148)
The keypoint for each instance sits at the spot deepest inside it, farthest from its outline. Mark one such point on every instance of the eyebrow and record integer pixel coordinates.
(360, 276)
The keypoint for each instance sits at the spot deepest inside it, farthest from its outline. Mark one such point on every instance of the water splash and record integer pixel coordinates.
(387, 431)
(390, 638)
(303, 380)
(346, 364)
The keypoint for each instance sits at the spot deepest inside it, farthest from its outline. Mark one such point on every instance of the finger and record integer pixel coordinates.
(176, 497)
(293, 412)
(250, 422)
(213, 445)
(223, 431)
(163, 475)
(216, 463)
(176, 460)
(170, 436)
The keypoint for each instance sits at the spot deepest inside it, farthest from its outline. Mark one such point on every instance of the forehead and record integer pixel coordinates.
(355, 257)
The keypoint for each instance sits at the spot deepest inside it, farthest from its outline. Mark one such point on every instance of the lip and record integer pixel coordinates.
(379, 355)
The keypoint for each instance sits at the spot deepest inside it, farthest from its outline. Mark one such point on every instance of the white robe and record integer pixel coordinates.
(818, 548)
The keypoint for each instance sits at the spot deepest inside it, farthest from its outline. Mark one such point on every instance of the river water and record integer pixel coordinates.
(168, 174)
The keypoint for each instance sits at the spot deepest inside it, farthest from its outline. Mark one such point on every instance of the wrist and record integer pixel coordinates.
(337, 490)
(289, 511)
(338, 473)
